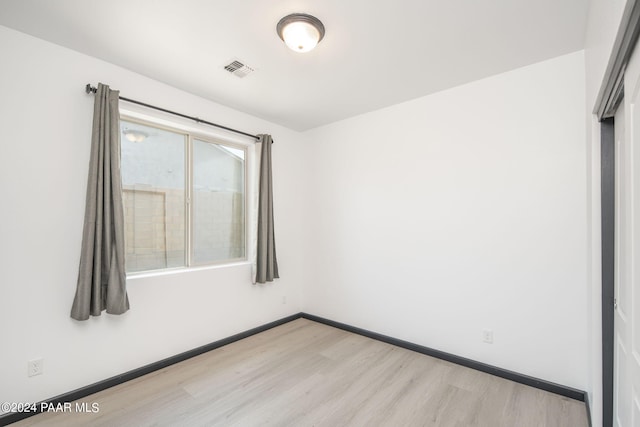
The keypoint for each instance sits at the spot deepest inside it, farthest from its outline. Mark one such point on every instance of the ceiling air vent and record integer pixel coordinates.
(239, 69)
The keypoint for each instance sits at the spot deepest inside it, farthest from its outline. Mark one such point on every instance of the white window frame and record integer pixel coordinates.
(205, 134)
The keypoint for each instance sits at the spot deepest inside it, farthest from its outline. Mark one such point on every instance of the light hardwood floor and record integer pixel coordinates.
(308, 374)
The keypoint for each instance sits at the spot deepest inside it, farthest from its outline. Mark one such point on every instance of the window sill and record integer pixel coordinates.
(182, 270)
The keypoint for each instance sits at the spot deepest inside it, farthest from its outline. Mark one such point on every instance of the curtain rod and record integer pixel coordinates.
(92, 89)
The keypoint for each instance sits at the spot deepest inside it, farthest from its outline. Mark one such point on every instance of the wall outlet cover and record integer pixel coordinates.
(487, 336)
(35, 367)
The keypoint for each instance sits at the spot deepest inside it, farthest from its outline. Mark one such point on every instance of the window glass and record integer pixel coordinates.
(183, 204)
(218, 202)
(153, 181)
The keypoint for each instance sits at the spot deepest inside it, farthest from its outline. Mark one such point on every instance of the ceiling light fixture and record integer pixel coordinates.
(300, 32)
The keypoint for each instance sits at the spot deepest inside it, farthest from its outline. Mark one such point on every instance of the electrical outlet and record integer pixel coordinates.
(284, 299)
(35, 367)
(487, 336)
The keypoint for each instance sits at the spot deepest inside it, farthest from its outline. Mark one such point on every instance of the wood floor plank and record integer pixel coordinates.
(308, 374)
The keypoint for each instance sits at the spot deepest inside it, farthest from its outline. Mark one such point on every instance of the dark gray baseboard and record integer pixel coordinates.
(80, 393)
(493, 370)
(10, 418)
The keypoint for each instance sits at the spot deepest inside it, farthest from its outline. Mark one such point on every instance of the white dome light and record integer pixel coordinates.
(300, 32)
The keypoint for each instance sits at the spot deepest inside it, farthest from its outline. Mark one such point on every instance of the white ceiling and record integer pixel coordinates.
(375, 53)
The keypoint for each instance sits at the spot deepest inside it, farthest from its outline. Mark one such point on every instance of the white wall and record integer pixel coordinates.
(44, 152)
(427, 221)
(460, 211)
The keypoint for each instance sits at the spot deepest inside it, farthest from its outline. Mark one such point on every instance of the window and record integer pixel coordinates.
(184, 198)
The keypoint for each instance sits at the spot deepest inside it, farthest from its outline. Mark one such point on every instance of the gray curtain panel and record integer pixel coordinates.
(266, 262)
(101, 277)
